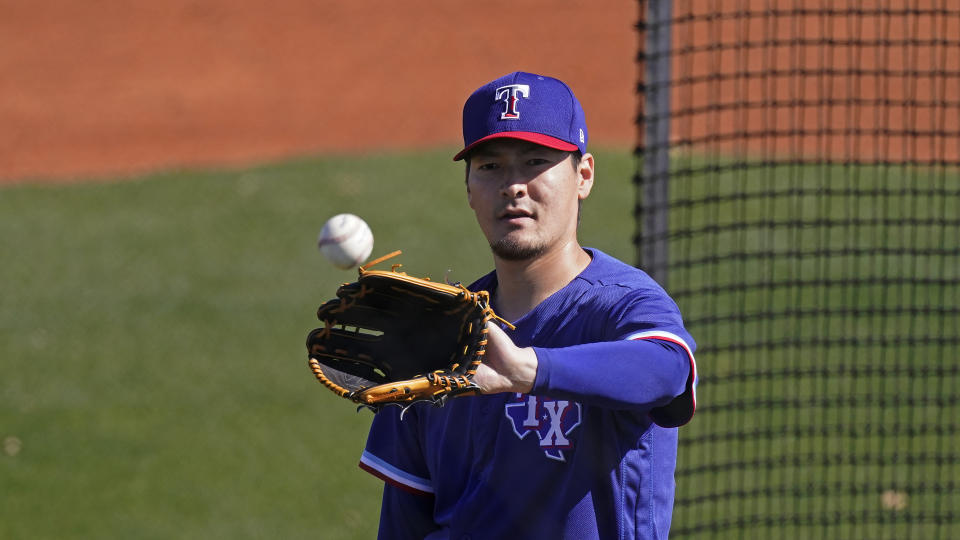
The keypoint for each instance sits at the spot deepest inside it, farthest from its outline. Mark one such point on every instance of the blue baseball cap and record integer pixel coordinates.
(524, 106)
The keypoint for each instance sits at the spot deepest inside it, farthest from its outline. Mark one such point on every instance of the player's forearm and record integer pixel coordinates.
(620, 374)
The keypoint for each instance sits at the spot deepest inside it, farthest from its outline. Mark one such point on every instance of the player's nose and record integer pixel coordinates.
(513, 182)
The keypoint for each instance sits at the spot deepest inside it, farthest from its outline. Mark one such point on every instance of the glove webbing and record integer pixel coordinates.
(441, 379)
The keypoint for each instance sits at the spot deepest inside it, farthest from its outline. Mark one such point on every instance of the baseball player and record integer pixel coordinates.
(575, 435)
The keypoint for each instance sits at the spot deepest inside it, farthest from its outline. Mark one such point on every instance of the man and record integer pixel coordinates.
(575, 434)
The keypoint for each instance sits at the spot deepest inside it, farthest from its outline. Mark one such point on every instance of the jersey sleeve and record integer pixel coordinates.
(404, 515)
(645, 363)
(393, 452)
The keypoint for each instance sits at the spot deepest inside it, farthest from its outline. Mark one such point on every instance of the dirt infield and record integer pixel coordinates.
(106, 88)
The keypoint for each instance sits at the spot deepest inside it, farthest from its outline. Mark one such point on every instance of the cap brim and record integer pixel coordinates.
(536, 138)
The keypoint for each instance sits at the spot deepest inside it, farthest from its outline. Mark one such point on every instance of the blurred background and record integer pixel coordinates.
(108, 87)
(788, 170)
(165, 169)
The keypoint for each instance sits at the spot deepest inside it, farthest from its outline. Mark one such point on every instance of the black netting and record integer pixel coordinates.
(803, 208)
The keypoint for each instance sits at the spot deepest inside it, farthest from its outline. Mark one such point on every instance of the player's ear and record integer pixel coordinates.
(585, 175)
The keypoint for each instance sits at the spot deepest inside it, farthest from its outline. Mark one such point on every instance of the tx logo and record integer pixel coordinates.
(552, 421)
(509, 94)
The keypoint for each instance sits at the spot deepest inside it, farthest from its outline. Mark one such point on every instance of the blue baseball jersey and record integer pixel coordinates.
(590, 452)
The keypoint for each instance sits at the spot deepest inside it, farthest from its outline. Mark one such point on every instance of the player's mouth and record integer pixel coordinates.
(515, 216)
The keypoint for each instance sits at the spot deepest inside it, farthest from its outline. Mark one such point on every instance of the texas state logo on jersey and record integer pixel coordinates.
(552, 420)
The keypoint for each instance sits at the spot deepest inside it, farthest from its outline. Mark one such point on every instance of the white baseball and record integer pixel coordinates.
(346, 240)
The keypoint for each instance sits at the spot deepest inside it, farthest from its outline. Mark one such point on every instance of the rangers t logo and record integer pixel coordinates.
(509, 94)
(551, 420)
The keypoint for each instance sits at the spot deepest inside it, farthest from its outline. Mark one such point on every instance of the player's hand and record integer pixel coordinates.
(506, 367)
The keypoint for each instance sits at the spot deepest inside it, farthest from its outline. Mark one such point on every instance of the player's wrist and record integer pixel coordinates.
(526, 370)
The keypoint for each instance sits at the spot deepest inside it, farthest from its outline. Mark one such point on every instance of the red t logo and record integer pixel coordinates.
(509, 94)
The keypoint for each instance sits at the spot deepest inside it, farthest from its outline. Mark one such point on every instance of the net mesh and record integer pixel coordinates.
(806, 217)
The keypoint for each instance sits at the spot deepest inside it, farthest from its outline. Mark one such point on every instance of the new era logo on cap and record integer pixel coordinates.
(525, 106)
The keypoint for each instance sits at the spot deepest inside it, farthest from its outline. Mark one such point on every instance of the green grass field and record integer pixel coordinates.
(153, 379)
(824, 301)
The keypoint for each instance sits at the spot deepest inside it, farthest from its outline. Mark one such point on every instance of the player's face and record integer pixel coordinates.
(526, 196)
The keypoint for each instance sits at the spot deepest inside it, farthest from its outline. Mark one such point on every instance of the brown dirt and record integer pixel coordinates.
(107, 88)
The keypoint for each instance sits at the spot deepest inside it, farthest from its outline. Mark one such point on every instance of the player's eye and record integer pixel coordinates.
(487, 166)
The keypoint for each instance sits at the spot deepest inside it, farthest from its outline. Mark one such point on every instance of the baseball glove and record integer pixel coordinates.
(390, 338)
